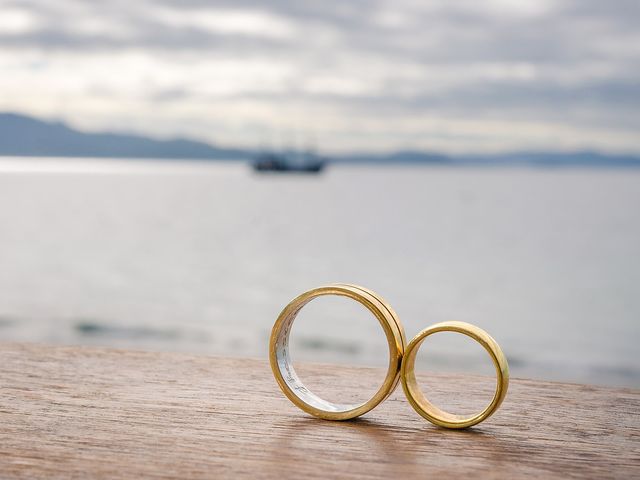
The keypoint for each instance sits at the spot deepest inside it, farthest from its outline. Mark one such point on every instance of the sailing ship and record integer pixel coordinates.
(290, 162)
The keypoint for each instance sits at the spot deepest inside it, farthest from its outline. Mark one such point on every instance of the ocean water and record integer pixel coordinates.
(201, 257)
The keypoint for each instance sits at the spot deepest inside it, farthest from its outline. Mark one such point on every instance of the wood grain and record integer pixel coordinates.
(72, 412)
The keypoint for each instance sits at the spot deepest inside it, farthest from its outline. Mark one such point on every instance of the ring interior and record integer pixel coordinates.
(426, 404)
(291, 378)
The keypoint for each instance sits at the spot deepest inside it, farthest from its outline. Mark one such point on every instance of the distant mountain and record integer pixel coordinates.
(21, 135)
(25, 136)
(403, 156)
(532, 159)
(553, 159)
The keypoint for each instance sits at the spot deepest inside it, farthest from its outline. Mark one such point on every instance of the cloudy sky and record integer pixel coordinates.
(454, 76)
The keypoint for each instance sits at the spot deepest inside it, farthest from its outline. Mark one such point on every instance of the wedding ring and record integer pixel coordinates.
(419, 401)
(286, 376)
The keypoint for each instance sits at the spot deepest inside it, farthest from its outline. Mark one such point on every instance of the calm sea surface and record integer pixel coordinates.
(201, 257)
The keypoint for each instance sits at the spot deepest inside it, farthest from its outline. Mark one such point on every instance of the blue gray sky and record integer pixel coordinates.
(453, 76)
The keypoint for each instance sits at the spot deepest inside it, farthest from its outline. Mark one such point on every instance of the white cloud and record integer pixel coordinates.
(14, 21)
(227, 21)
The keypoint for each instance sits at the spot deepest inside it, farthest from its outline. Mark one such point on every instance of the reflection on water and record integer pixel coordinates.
(89, 328)
(329, 345)
(201, 257)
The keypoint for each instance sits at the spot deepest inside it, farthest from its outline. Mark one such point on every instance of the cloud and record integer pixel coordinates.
(456, 76)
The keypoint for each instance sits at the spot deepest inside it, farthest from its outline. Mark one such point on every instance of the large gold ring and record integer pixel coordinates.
(418, 400)
(286, 376)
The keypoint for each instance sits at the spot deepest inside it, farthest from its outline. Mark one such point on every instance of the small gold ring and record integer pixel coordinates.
(290, 383)
(418, 400)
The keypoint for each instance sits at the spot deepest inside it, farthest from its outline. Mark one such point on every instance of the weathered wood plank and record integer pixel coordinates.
(71, 412)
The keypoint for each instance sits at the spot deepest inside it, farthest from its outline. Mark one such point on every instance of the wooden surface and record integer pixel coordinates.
(69, 412)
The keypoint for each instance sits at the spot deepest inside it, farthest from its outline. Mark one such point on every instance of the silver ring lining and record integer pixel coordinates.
(291, 378)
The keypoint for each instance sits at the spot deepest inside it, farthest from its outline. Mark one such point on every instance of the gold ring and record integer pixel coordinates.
(290, 383)
(418, 400)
